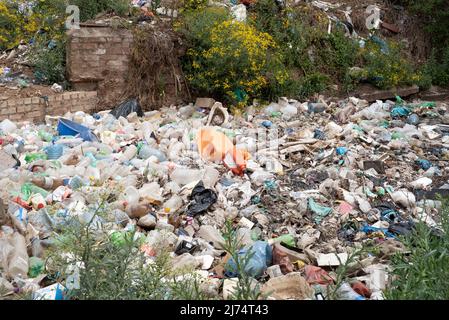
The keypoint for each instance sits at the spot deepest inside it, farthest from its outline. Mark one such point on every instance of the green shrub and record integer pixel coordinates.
(229, 59)
(48, 58)
(91, 8)
(9, 27)
(312, 84)
(194, 4)
(435, 19)
(438, 69)
(114, 267)
(422, 274)
(387, 68)
(307, 48)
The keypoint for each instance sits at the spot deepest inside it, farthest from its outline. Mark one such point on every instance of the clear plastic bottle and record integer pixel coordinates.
(345, 292)
(18, 265)
(129, 153)
(173, 204)
(132, 195)
(288, 112)
(184, 176)
(147, 152)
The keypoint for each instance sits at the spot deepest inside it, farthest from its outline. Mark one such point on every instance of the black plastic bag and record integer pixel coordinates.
(403, 228)
(202, 199)
(126, 108)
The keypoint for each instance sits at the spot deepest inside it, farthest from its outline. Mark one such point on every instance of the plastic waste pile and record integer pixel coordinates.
(304, 185)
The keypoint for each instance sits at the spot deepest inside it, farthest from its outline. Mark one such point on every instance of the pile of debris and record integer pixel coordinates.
(305, 185)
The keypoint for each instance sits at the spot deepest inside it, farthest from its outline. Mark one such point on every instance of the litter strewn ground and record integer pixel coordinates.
(306, 185)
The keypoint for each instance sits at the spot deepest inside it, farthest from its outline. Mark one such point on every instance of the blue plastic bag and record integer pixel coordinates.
(399, 112)
(261, 259)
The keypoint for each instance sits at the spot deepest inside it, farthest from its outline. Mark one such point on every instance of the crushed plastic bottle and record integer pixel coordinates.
(345, 292)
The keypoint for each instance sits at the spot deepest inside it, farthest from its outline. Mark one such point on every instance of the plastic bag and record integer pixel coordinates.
(317, 275)
(261, 256)
(126, 108)
(319, 211)
(216, 146)
(202, 199)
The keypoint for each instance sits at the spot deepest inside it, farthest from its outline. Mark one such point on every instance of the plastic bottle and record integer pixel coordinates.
(38, 201)
(147, 152)
(76, 183)
(93, 160)
(54, 152)
(31, 157)
(184, 176)
(28, 189)
(132, 195)
(345, 292)
(289, 112)
(129, 153)
(47, 183)
(36, 247)
(45, 136)
(173, 204)
(316, 107)
(18, 265)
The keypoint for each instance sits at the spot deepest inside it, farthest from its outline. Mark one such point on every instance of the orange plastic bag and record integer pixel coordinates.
(215, 146)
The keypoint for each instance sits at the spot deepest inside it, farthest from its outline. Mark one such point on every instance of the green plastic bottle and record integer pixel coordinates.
(28, 189)
(44, 135)
(31, 157)
(36, 267)
(287, 239)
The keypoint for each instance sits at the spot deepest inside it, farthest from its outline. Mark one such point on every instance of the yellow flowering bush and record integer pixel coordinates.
(21, 19)
(233, 60)
(9, 27)
(386, 66)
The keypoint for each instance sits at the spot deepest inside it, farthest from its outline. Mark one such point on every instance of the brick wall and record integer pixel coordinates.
(97, 59)
(35, 109)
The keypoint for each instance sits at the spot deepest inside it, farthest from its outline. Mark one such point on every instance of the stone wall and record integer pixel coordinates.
(97, 60)
(35, 109)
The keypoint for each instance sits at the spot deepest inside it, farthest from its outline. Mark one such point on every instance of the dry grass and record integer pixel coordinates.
(155, 74)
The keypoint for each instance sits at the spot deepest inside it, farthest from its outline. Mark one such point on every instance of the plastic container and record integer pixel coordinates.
(69, 128)
(54, 152)
(18, 264)
(31, 157)
(132, 195)
(173, 204)
(345, 292)
(146, 152)
(183, 176)
(45, 136)
(38, 201)
(289, 112)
